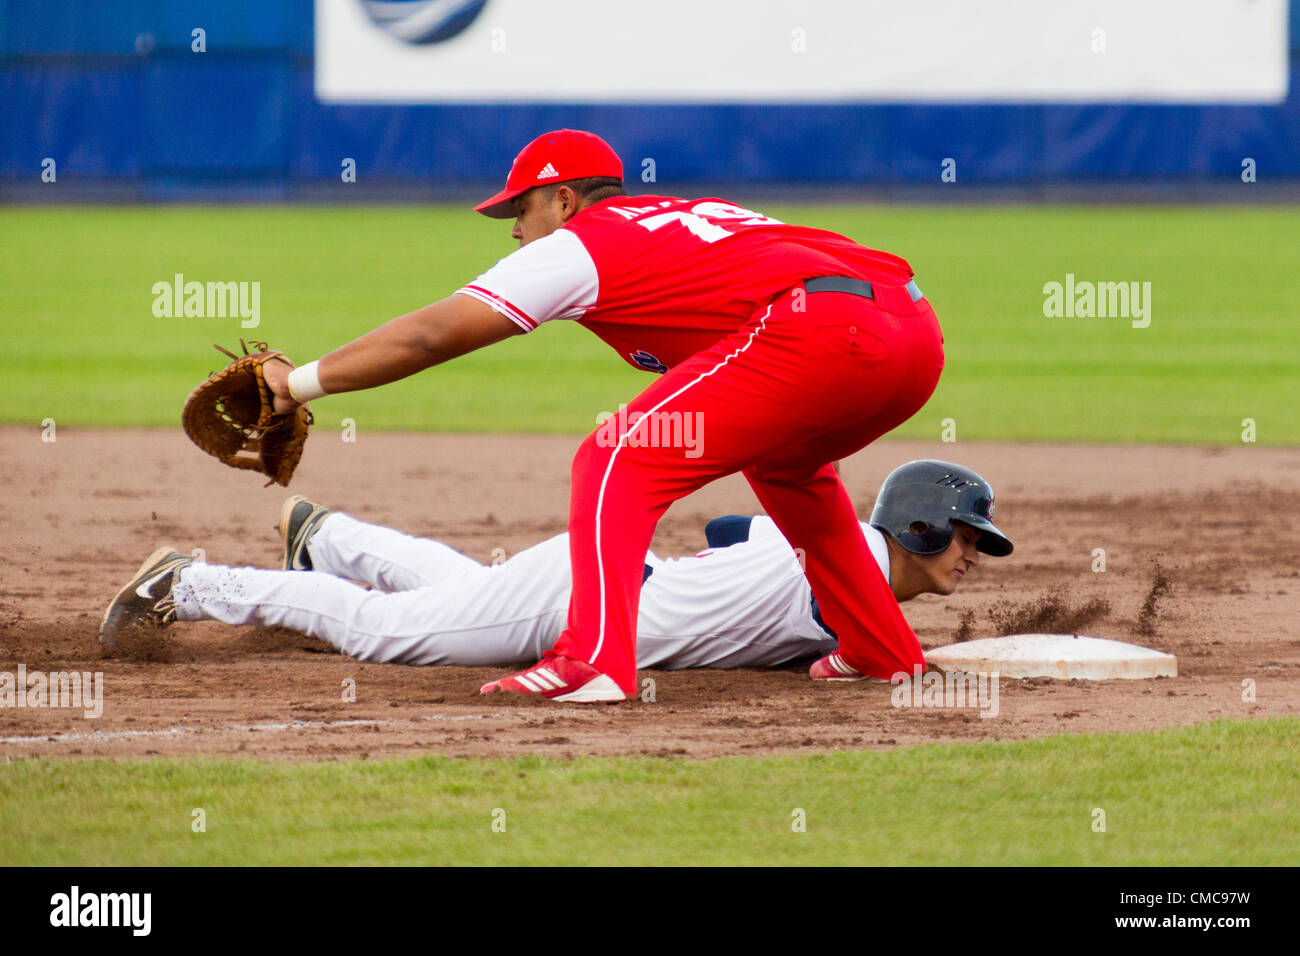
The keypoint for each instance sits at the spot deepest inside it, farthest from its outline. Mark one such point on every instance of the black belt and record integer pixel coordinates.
(853, 286)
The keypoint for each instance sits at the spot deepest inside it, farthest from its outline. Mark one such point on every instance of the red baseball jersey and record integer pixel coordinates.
(660, 279)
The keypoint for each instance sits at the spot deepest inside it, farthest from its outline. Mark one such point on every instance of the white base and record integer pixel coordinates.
(1060, 656)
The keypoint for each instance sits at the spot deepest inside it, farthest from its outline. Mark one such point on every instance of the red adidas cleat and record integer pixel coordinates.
(832, 667)
(560, 679)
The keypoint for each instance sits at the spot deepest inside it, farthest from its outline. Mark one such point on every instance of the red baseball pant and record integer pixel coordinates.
(812, 378)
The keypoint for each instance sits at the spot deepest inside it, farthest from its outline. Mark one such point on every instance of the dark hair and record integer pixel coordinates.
(591, 189)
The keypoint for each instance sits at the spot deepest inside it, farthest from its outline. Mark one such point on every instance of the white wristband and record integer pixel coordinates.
(304, 383)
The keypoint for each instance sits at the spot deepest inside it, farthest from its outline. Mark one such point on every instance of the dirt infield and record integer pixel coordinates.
(81, 512)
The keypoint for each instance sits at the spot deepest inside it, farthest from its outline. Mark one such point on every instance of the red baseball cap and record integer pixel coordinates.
(553, 157)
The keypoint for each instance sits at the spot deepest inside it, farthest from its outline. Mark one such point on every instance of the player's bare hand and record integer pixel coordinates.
(277, 380)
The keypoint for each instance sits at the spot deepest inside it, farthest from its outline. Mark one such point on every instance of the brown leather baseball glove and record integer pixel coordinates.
(232, 416)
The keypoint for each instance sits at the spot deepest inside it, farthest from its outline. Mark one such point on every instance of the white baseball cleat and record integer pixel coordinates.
(147, 598)
(560, 679)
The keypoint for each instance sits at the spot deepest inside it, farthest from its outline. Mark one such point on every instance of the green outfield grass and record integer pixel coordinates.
(81, 343)
(1218, 793)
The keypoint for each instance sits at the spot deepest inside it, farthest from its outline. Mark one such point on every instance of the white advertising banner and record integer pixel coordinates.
(824, 51)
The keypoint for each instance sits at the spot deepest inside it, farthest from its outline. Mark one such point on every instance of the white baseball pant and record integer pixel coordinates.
(747, 605)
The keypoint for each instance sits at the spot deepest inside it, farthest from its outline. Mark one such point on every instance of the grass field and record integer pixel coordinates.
(1213, 794)
(82, 346)
(81, 343)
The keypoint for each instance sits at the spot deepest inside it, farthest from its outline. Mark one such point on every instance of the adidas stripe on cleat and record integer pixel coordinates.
(832, 667)
(560, 679)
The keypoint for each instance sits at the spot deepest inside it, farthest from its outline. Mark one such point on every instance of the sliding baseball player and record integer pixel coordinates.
(744, 602)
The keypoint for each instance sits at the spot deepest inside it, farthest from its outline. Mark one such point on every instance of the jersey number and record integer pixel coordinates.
(700, 220)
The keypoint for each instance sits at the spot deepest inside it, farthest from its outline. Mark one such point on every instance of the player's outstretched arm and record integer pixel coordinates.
(408, 344)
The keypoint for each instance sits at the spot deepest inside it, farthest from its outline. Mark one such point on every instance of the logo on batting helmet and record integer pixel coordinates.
(920, 500)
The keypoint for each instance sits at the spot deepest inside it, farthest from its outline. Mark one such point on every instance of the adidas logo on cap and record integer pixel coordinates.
(547, 172)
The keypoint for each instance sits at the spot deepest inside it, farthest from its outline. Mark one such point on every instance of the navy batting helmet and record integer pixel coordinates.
(920, 500)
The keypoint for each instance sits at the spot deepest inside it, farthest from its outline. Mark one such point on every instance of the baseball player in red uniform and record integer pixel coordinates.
(787, 347)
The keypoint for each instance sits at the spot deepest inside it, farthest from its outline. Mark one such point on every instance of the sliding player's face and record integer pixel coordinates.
(950, 566)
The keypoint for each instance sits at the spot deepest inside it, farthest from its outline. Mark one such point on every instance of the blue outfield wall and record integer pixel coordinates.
(113, 93)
